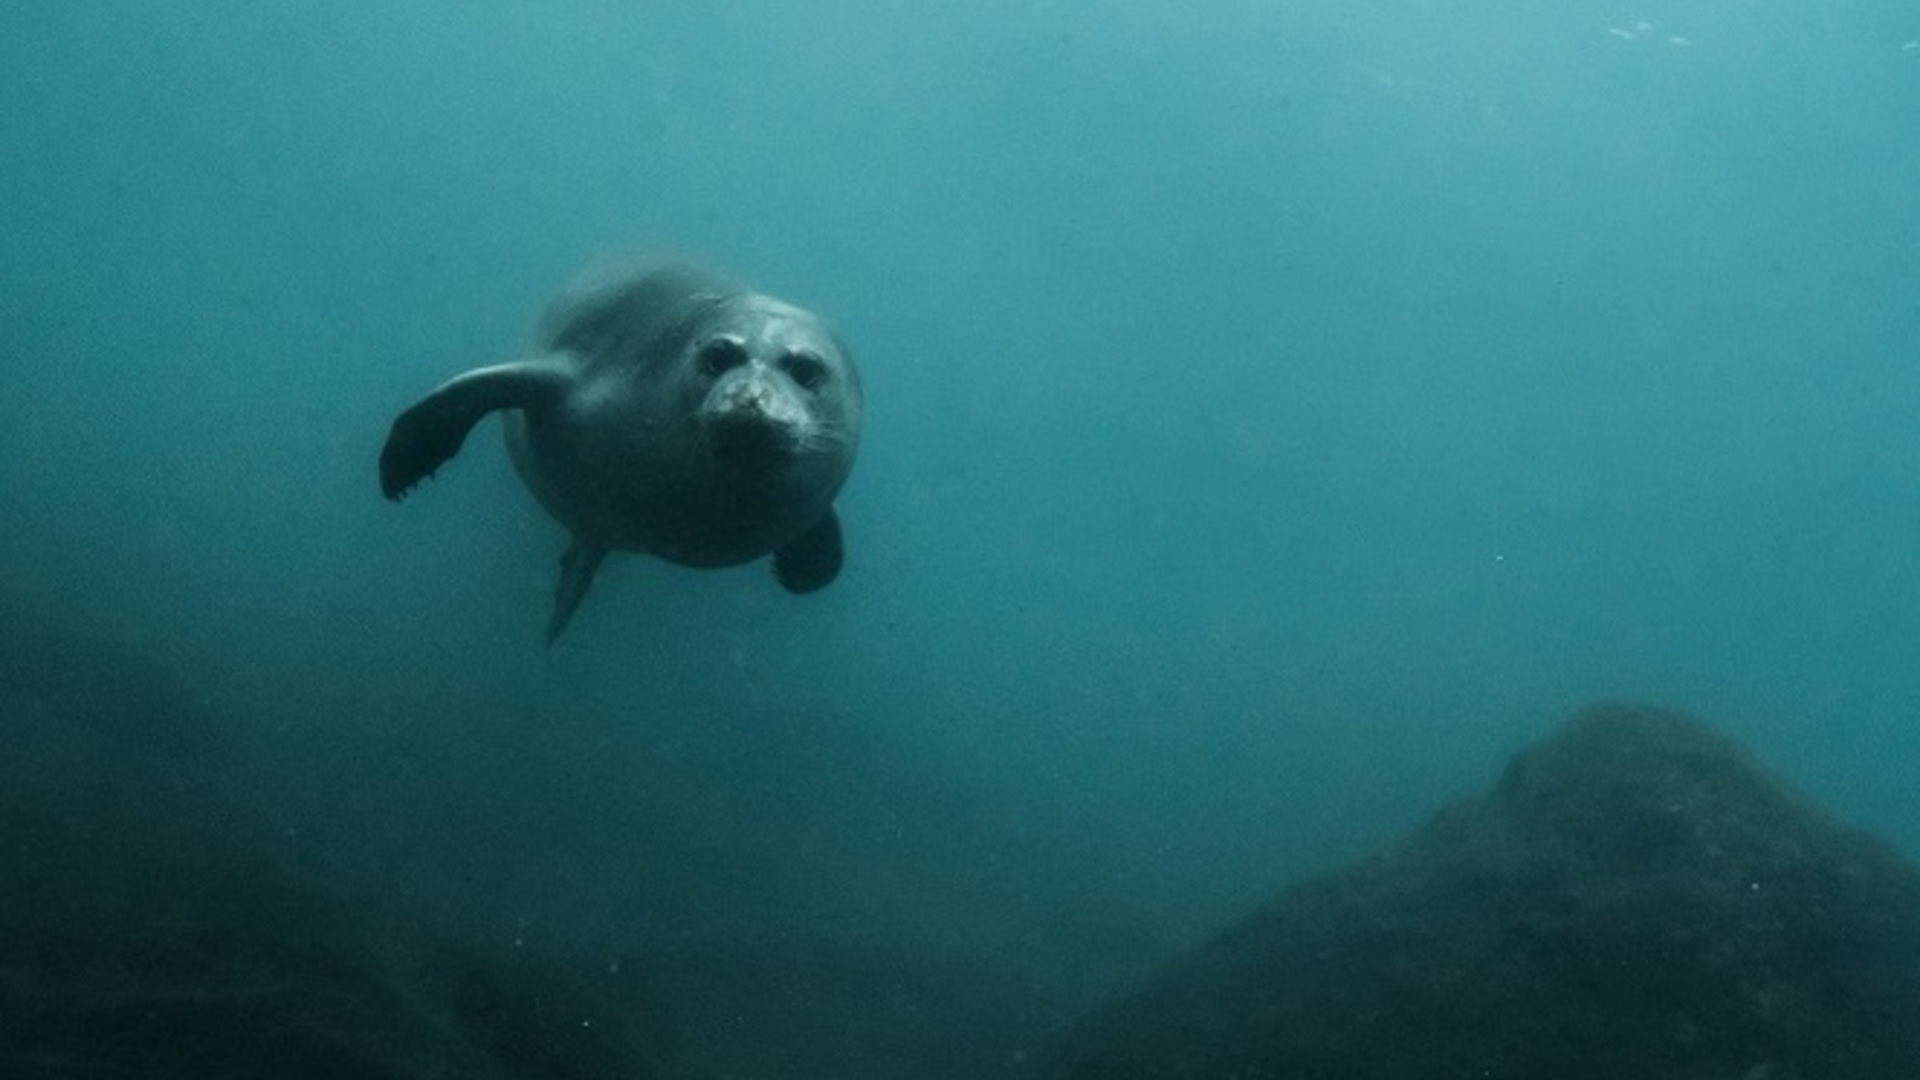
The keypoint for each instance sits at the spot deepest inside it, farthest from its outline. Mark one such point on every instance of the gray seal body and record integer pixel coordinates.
(664, 411)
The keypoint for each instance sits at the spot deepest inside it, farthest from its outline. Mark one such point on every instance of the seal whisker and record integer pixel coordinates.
(821, 437)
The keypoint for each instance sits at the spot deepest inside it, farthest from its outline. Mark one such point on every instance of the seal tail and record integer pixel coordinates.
(577, 567)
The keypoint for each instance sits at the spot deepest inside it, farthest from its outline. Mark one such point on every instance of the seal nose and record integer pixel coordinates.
(756, 395)
(750, 394)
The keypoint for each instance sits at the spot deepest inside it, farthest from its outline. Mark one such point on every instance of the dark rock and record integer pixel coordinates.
(803, 1005)
(1635, 898)
(153, 925)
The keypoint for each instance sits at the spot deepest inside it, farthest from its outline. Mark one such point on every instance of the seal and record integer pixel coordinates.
(667, 411)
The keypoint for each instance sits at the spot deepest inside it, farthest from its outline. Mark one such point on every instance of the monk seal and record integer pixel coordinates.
(667, 411)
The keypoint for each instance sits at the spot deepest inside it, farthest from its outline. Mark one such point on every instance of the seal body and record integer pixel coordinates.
(669, 412)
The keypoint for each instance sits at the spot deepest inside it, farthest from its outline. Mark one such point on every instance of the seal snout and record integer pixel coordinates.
(752, 417)
(748, 393)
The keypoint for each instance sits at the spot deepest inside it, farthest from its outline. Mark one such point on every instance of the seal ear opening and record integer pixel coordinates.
(811, 560)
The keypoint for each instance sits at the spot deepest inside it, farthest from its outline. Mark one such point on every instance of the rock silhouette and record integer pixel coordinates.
(153, 925)
(1636, 897)
(156, 923)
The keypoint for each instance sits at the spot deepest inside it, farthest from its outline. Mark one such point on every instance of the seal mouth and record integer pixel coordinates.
(749, 439)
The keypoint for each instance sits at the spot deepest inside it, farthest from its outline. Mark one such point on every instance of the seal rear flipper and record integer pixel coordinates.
(426, 435)
(576, 576)
(811, 560)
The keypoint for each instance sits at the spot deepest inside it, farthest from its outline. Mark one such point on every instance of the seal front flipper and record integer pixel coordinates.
(426, 435)
(811, 560)
(576, 575)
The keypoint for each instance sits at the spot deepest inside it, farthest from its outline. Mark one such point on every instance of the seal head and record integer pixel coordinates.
(774, 388)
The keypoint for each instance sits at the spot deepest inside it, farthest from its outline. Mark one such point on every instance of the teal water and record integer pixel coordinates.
(1277, 415)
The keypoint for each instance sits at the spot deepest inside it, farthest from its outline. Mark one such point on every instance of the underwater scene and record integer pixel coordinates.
(1225, 539)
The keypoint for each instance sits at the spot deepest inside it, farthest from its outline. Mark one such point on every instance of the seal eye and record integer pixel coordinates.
(721, 355)
(806, 369)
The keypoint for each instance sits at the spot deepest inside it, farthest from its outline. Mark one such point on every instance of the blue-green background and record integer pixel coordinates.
(1278, 414)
